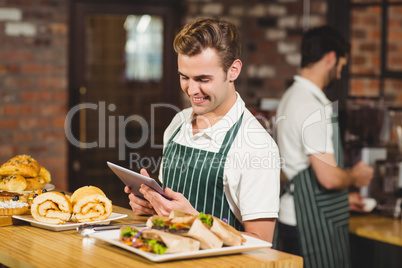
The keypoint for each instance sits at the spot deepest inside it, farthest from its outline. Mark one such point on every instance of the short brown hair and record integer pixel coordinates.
(319, 41)
(202, 33)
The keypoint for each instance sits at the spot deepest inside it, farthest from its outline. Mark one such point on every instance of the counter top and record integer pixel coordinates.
(377, 227)
(23, 245)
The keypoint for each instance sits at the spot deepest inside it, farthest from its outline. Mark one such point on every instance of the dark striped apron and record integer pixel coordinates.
(198, 175)
(322, 216)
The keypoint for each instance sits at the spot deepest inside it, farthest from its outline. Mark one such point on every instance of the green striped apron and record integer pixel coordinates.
(322, 216)
(198, 175)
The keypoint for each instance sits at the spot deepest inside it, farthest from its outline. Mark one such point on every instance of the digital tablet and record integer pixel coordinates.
(134, 180)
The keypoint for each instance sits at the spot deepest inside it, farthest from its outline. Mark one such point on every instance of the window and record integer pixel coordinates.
(144, 47)
(376, 50)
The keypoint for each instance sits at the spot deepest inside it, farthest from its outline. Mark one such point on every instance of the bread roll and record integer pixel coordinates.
(23, 165)
(90, 204)
(52, 208)
(34, 183)
(13, 183)
(45, 174)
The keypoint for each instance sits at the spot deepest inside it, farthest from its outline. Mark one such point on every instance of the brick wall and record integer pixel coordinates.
(270, 33)
(366, 45)
(33, 65)
(33, 83)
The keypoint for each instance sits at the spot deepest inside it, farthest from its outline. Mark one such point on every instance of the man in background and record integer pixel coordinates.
(314, 209)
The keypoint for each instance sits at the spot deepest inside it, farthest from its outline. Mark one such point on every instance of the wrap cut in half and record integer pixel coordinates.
(51, 208)
(227, 233)
(90, 204)
(190, 226)
(156, 241)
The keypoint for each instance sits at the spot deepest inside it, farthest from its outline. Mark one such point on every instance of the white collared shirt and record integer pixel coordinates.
(303, 128)
(251, 173)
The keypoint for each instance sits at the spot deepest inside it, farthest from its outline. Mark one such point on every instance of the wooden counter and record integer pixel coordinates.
(25, 246)
(376, 227)
(375, 241)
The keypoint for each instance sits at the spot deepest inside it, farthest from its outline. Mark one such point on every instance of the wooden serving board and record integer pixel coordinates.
(6, 220)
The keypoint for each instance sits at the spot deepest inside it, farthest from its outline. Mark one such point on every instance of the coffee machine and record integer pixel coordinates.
(371, 135)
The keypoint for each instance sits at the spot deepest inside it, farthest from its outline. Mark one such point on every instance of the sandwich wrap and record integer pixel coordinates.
(156, 241)
(51, 208)
(227, 233)
(190, 226)
(90, 204)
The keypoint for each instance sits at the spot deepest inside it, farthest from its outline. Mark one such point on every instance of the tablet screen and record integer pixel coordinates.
(134, 180)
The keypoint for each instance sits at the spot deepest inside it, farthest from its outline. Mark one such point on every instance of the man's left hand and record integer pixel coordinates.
(356, 202)
(163, 206)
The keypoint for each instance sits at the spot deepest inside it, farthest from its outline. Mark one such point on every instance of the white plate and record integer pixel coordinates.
(252, 243)
(68, 225)
(48, 187)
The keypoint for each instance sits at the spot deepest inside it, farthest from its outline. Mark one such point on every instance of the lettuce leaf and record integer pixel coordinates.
(206, 219)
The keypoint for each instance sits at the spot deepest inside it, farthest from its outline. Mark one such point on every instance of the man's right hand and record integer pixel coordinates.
(138, 205)
(362, 174)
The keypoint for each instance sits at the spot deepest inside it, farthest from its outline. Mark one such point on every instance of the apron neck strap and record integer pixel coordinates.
(230, 136)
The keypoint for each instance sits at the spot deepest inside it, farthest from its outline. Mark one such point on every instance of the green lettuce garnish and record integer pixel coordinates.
(158, 223)
(128, 232)
(206, 219)
(158, 247)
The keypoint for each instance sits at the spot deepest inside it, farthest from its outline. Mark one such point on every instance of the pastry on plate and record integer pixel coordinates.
(7, 196)
(23, 165)
(36, 183)
(90, 204)
(45, 174)
(51, 207)
(13, 183)
(13, 203)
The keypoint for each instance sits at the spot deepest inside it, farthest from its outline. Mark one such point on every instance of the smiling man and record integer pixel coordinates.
(217, 158)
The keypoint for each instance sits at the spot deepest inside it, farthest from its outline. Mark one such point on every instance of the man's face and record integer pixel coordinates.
(205, 83)
(336, 71)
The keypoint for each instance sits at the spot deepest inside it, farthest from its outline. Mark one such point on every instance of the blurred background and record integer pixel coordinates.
(79, 80)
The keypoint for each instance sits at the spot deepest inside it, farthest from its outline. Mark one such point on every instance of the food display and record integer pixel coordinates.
(181, 225)
(86, 204)
(13, 203)
(90, 204)
(23, 173)
(156, 241)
